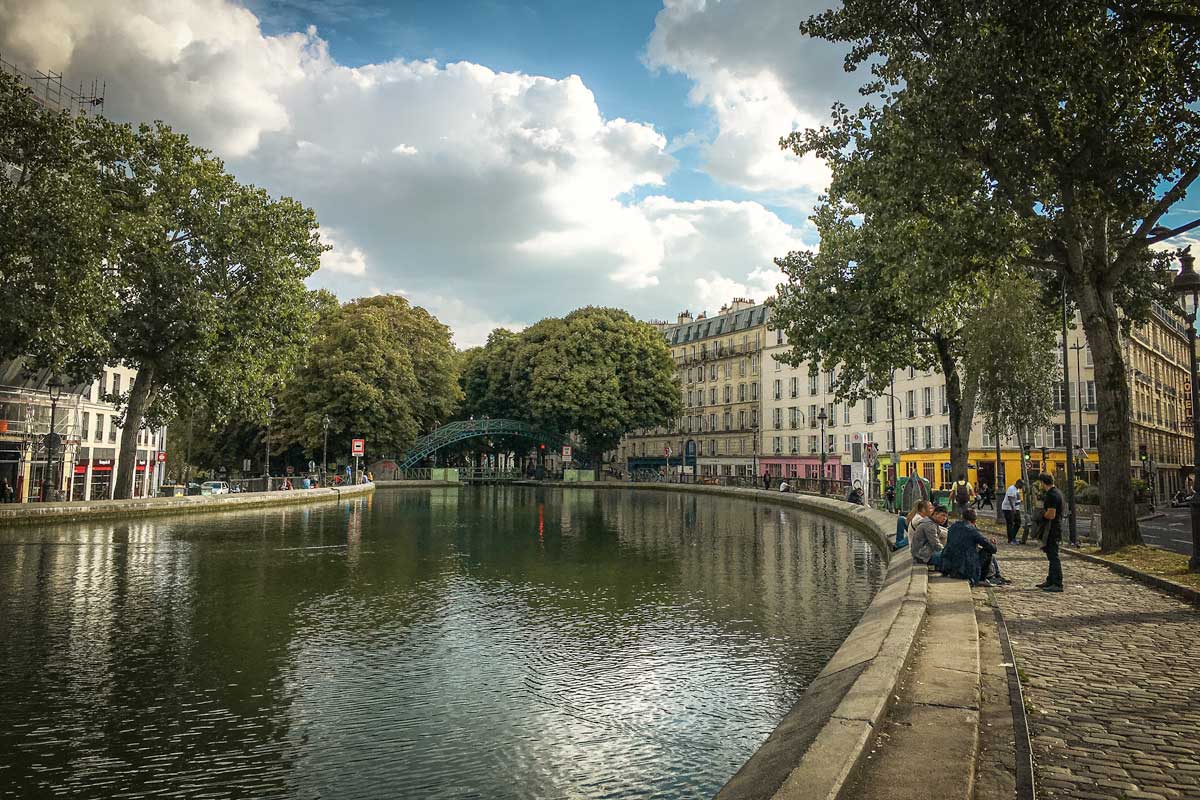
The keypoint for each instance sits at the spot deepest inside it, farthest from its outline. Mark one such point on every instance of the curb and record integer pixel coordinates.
(53, 513)
(1154, 581)
(816, 748)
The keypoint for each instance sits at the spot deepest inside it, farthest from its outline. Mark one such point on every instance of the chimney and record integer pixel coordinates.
(685, 317)
(740, 303)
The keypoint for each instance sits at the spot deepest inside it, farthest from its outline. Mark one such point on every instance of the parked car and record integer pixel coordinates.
(214, 487)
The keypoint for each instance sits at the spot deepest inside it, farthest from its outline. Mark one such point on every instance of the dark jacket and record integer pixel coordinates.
(960, 556)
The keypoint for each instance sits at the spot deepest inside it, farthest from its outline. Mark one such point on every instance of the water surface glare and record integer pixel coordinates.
(503, 642)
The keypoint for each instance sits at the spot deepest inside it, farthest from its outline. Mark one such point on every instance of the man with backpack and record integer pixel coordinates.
(961, 495)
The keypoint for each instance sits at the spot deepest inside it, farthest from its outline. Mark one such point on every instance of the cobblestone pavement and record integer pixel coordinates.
(1111, 671)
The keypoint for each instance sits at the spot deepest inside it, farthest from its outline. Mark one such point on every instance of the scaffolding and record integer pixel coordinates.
(51, 90)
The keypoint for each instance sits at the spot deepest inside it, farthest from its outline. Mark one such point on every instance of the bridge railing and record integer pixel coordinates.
(833, 488)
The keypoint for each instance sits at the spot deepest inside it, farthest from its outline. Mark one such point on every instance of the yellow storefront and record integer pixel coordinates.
(934, 466)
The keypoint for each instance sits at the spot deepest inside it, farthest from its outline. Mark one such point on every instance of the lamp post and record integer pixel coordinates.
(1187, 286)
(1077, 347)
(821, 419)
(324, 448)
(1068, 447)
(267, 459)
(49, 483)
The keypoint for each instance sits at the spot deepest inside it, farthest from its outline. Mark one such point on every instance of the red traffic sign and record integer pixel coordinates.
(161, 457)
(358, 447)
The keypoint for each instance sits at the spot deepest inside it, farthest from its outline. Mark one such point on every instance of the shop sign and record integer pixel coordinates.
(102, 465)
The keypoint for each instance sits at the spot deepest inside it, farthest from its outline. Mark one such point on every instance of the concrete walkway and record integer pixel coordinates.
(928, 739)
(1111, 670)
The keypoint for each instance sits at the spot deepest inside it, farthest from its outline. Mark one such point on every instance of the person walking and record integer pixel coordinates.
(766, 478)
(961, 495)
(1052, 511)
(1011, 507)
(986, 497)
(889, 496)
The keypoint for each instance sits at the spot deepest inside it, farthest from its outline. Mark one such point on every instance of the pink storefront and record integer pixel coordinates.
(801, 467)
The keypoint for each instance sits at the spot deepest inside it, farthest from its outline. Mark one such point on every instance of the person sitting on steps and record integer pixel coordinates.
(968, 553)
(926, 540)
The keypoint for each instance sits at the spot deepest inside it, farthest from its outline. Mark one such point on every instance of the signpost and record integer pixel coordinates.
(358, 447)
(566, 453)
(161, 457)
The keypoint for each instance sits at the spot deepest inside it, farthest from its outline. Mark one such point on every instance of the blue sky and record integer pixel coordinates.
(493, 162)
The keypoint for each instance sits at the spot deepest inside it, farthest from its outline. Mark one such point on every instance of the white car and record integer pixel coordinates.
(214, 487)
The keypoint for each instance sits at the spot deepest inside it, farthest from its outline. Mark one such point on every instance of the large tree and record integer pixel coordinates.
(1084, 119)
(56, 234)
(897, 276)
(210, 283)
(380, 369)
(597, 373)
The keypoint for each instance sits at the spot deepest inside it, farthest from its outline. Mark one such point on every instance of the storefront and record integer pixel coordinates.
(102, 479)
(806, 467)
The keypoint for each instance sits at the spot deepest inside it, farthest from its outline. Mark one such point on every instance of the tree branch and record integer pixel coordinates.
(1162, 237)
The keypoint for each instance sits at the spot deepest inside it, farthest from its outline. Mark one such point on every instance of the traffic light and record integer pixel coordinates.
(1143, 452)
(542, 447)
(1025, 452)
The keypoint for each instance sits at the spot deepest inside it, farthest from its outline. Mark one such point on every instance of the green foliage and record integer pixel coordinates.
(380, 369)
(597, 373)
(56, 235)
(1010, 345)
(210, 288)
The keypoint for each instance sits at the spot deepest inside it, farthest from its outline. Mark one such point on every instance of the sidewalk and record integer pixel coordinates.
(1111, 670)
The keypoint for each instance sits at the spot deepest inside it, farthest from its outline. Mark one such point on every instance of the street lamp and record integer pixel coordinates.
(267, 460)
(325, 448)
(51, 493)
(1187, 286)
(821, 417)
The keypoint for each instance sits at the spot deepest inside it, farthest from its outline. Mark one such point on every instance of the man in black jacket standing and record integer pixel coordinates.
(1052, 511)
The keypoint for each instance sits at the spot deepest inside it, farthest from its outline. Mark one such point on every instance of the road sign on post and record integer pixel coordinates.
(358, 447)
(161, 457)
(566, 452)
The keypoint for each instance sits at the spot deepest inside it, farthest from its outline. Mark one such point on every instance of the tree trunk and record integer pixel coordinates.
(960, 403)
(135, 409)
(1101, 325)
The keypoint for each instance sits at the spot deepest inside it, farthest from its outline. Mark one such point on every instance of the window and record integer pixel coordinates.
(778, 388)
(829, 381)
(945, 436)
(831, 413)
(869, 410)
(846, 414)
(742, 368)
(712, 372)
(1089, 396)
(741, 420)
(909, 398)
(1057, 393)
(795, 387)
(1059, 435)
(794, 417)
(728, 369)
(928, 437)
(116, 385)
(728, 393)
(887, 408)
(891, 441)
(728, 420)
(812, 384)
(712, 396)
(988, 440)
(942, 399)
(712, 447)
(812, 444)
(741, 392)
(777, 418)
(712, 422)
(112, 429)
(912, 373)
(102, 383)
(812, 416)
(927, 400)
(831, 444)
(911, 438)
(778, 337)
(83, 431)
(691, 397)
(1090, 436)
(777, 444)
(754, 390)
(846, 443)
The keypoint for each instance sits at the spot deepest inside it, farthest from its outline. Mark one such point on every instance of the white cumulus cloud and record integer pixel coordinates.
(494, 198)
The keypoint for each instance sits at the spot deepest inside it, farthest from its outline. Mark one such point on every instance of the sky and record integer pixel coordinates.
(494, 162)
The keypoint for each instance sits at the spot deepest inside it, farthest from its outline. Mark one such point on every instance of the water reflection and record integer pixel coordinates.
(504, 642)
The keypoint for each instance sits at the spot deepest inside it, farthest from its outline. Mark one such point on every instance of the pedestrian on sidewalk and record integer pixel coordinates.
(766, 480)
(961, 495)
(1011, 506)
(889, 496)
(1052, 509)
(986, 497)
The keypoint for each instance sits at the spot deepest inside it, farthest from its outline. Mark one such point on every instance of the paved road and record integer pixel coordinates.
(1112, 681)
(1172, 531)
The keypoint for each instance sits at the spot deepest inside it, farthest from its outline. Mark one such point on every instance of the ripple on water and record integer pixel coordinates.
(446, 643)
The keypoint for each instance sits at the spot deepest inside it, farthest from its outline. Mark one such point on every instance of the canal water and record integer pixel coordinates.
(502, 642)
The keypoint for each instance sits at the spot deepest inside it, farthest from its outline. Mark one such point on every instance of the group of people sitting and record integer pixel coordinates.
(958, 552)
